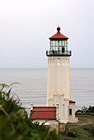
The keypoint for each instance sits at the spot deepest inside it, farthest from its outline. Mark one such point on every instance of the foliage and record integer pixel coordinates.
(86, 111)
(72, 134)
(69, 133)
(90, 129)
(14, 121)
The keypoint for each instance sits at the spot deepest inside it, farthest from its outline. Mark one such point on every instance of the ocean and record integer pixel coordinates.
(32, 85)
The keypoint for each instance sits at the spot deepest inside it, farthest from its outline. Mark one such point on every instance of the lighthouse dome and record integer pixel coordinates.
(58, 35)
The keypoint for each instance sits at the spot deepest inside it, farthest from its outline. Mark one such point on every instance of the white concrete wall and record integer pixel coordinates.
(53, 124)
(48, 122)
(61, 107)
(58, 77)
(58, 88)
(72, 118)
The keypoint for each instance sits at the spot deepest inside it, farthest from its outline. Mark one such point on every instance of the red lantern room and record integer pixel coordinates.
(58, 45)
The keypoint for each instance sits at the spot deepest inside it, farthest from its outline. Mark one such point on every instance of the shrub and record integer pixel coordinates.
(86, 111)
(72, 134)
(14, 121)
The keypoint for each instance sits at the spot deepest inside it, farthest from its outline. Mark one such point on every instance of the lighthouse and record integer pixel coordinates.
(60, 107)
(58, 84)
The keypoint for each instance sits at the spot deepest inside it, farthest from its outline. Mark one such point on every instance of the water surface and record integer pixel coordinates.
(33, 85)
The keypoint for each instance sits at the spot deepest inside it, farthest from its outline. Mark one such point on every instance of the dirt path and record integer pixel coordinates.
(84, 121)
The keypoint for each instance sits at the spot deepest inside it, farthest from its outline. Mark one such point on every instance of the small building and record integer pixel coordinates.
(44, 115)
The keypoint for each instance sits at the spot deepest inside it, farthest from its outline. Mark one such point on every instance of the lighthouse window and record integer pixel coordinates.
(53, 48)
(70, 111)
(62, 43)
(53, 43)
(56, 48)
(60, 49)
(59, 43)
(66, 45)
(56, 43)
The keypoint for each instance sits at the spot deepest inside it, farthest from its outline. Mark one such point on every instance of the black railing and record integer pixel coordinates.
(58, 53)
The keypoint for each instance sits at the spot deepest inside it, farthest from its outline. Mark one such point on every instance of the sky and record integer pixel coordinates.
(26, 25)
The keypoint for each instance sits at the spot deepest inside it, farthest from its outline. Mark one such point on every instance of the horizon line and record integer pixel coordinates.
(43, 68)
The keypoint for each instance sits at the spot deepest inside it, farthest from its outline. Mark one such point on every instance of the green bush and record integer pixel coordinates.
(86, 111)
(72, 134)
(14, 121)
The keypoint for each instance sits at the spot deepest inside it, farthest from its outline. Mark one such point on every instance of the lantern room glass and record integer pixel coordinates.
(59, 46)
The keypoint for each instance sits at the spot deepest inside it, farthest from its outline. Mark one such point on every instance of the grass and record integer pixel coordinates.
(80, 131)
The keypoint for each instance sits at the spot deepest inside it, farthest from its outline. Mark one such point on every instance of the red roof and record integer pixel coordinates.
(58, 35)
(43, 113)
(71, 101)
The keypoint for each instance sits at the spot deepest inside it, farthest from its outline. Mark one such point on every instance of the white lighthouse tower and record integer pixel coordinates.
(58, 86)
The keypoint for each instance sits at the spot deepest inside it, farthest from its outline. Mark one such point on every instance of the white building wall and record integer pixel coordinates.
(62, 106)
(53, 124)
(58, 88)
(46, 122)
(58, 77)
(62, 109)
(72, 118)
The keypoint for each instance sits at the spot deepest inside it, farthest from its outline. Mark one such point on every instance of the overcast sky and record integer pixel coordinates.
(26, 25)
